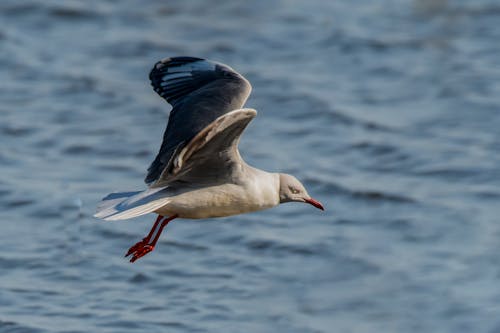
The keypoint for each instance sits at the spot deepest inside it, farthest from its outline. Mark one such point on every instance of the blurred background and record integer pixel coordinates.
(387, 110)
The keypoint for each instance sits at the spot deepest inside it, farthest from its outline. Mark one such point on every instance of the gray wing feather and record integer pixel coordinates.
(212, 156)
(200, 91)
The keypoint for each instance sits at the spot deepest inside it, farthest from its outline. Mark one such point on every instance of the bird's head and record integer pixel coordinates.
(293, 190)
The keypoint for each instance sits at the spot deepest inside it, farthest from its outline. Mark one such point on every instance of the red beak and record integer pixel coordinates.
(315, 203)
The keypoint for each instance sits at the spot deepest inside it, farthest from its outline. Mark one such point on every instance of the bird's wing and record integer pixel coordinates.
(212, 156)
(200, 92)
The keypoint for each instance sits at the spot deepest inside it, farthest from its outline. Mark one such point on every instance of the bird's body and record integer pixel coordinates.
(245, 196)
(199, 172)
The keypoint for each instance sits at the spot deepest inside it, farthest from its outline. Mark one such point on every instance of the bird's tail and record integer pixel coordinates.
(126, 205)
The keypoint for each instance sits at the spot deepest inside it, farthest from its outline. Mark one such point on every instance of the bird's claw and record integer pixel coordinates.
(147, 244)
(142, 252)
(139, 250)
(136, 247)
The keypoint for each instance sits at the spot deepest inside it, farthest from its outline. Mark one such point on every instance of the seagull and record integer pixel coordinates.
(198, 172)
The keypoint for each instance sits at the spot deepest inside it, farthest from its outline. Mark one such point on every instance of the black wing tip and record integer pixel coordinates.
(159, 71)
(174, 62)
(181, 59)
(161, 66)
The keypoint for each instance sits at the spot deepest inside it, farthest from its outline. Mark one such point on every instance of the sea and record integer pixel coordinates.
(388, 111)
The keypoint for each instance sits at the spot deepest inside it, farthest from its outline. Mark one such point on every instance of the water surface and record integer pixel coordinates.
(388, 111)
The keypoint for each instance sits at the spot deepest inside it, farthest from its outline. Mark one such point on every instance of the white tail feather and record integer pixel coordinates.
(126, 205)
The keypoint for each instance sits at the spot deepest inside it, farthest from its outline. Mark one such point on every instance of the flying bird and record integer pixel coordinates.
(198, 172)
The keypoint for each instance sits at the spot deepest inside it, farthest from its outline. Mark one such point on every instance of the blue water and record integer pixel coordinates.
(388, 111)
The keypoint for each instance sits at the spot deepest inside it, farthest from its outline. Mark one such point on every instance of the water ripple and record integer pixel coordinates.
(387, 112)
(12, 327)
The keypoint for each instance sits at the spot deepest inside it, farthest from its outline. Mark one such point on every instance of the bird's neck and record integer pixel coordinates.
(262, 185)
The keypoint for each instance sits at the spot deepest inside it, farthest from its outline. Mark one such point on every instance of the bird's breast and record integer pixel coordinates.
(220, 201)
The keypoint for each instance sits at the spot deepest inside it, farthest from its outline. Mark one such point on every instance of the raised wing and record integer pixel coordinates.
(212, 156)
(200, 91)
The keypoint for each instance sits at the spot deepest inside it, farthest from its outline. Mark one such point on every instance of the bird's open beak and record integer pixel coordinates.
(315, 203)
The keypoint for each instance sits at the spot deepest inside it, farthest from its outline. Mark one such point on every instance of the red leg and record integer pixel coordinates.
(163, 224)
(146, 239)
(146, 245)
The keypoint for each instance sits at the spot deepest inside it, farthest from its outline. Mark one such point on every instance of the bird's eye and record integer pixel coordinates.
(294, 190)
